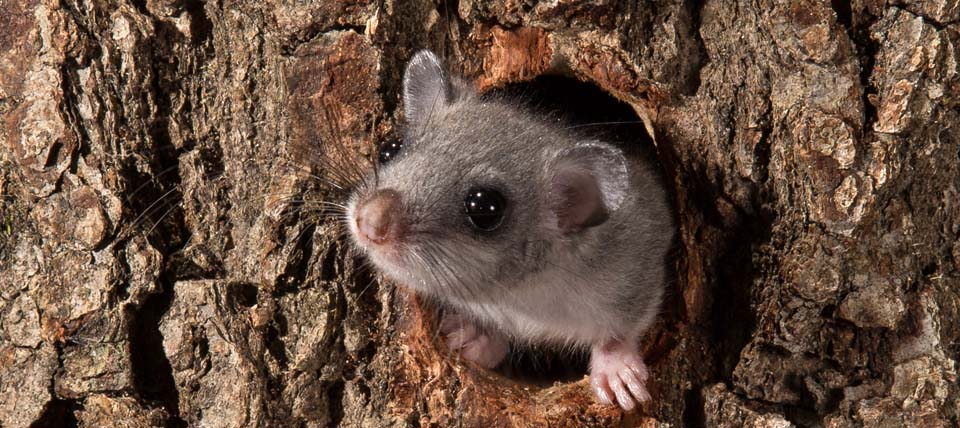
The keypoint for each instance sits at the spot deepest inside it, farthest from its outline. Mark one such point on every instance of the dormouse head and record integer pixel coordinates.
(478, 194)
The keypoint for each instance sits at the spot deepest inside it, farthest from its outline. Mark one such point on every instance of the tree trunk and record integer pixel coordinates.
(157, 269)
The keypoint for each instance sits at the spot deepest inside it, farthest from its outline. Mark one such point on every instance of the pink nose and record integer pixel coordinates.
(377, 216)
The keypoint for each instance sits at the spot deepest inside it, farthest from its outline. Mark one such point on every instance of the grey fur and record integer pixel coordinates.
(528, 279)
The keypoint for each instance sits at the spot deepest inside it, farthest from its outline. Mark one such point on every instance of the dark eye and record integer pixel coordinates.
(389, 150)
(484, 208)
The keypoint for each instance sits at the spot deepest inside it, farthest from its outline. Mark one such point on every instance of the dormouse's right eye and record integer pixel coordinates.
(389, 150)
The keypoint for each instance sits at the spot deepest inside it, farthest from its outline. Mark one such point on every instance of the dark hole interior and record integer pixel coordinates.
(593, 114)
(585, 108)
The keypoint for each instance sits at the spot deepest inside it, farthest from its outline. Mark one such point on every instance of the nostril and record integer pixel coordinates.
(374, 225)
(376, 217)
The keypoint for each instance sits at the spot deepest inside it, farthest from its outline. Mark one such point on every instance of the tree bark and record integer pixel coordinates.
(156, 269)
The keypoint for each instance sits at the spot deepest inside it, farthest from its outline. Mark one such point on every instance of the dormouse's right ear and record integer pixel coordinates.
(426, 87)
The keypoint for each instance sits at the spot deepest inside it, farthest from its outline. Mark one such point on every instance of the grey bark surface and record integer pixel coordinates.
(156, 268)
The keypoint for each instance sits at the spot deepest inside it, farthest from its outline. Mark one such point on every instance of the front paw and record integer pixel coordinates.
(617, 373)
(485, 349)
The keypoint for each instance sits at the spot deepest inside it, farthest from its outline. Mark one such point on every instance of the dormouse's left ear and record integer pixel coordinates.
(588, 182)
(426, 87)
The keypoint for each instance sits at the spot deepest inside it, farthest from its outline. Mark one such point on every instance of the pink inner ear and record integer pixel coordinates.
(579, 203)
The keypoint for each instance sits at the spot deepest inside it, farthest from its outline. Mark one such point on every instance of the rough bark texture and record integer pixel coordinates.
(154, 271)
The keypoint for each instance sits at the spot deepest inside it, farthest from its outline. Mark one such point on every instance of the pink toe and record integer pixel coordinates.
(635, 385)
(623, 396)
(452, 322)
(475, 351)
(457, 338)
(455, 341)
(600, 388)
(641, 370)
(448, 324)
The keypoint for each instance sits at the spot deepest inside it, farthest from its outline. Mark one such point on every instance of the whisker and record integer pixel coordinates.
(154, 180)
(624, 122)
(162, 217)
(150, 207)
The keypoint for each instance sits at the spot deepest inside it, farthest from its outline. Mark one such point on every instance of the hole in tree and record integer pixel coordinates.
(53, 156)
(590, 113)
(245, 294)
(584, 108)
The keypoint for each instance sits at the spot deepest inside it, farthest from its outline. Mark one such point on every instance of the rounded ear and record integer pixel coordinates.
(589, 182)
(426, 87)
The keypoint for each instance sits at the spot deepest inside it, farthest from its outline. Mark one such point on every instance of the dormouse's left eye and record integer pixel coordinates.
(484, 208)
(389, 150)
